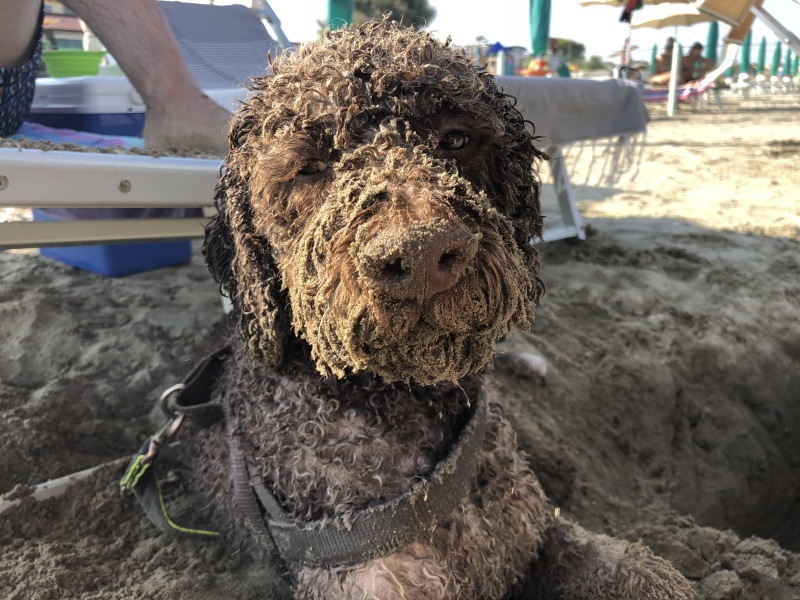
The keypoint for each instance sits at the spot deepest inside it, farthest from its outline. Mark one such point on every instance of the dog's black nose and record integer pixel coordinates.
(419, 260)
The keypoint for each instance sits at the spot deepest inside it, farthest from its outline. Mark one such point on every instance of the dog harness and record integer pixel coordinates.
(368, 533)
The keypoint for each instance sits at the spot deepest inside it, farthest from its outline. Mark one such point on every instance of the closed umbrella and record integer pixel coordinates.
(744, 63)
(540, 26)
(711, 41)
(787, 63)
(340, 13)
(776, 60)
(653, 57)
(796, 67)
(762, 56)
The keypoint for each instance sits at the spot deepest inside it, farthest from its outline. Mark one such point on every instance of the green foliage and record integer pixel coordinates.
(418, 13)
(594, 63)
(573, 51)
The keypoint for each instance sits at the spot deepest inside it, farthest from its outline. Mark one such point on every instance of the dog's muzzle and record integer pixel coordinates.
(417, 261)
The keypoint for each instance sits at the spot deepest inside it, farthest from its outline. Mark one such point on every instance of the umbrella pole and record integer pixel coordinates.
(672, 97)
(626, 49)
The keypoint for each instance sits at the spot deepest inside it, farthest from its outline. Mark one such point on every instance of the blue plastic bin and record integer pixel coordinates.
(113, 260)
(128, 124)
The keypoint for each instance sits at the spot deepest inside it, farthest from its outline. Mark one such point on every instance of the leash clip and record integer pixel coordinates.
(162, 436)
(166, 396)
(149, 451)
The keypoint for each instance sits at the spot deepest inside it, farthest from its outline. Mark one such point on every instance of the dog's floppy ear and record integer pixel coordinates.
(516, 170)
(241, 260)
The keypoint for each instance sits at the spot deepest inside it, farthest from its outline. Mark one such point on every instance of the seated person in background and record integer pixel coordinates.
(663, 64)
(694, 66)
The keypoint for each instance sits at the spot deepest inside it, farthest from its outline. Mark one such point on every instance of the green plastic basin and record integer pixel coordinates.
(72, 63)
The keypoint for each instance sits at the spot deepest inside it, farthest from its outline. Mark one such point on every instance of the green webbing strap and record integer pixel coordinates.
(140, 479)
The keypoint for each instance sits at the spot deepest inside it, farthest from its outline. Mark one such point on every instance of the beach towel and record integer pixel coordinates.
(42, 133)
(606, 115)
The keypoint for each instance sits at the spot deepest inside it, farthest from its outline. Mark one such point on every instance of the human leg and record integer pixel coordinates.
(20, 52)
(17, 31)
(660, 79)
(179, 114)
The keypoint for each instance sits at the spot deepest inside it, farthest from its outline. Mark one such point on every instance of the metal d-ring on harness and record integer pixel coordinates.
(371, 532)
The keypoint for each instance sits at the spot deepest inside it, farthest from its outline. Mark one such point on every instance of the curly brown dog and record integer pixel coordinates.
(374, 232)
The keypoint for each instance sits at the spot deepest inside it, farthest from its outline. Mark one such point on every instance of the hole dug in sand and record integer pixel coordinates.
(670, 411)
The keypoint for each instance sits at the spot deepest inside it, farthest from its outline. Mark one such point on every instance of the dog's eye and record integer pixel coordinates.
(455, 140)
(313, 167)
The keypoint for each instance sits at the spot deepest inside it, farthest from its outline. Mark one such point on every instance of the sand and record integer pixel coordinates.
(669, 412)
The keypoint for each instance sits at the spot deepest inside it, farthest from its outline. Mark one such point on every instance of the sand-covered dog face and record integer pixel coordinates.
(378, 200)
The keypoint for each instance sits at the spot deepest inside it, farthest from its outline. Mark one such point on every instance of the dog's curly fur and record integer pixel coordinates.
(354, 362)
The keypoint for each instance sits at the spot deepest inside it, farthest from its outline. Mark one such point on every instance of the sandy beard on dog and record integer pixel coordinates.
(374, 226)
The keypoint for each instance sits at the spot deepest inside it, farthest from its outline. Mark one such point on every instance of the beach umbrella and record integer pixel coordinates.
(340, 13)
(796, 67)
(744, 63)
(787, 63)
(711, 41)
(762, 56)
(776, 60)
(668, 15)
(653, 57)
(540, 26)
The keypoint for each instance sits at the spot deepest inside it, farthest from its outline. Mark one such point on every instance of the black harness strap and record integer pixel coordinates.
(193, 397)
(243, 495)
(190, 399)
(370, 532)
(387, 527)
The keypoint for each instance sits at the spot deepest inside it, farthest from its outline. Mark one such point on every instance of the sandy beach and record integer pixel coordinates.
(669, 413)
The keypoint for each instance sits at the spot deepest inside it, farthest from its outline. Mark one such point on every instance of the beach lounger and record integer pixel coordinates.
(696, 93)
(32, 178)
(224, 47)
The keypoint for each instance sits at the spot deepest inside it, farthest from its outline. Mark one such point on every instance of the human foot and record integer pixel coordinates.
(201, 125)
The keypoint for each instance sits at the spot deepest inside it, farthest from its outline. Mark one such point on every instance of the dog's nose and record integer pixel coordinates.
(418, 261)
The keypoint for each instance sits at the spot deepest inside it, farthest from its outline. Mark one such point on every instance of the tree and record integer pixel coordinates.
(573, 51)
(594, 63)
(417, 13)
